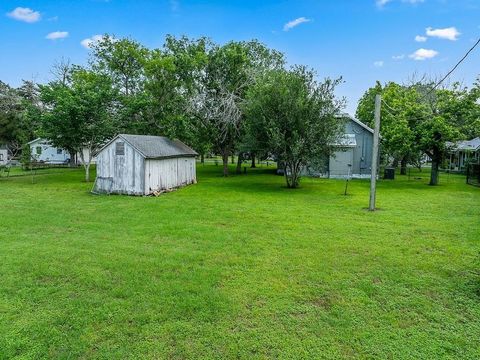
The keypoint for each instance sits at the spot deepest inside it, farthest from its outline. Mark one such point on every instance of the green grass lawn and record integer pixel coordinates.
(239, 268)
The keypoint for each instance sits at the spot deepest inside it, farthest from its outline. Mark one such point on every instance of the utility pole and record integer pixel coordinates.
(376, 135)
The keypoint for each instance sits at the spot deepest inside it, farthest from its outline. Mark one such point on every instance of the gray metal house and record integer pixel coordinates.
(353, 153)
(141, 165)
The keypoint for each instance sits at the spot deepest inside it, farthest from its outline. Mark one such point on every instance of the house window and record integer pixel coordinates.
(1, 157)
(38, 150)
(120, 148)
(59, 151)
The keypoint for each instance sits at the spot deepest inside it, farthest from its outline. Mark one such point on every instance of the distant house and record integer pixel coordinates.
(3, 156)
(352, 154)
(142, 165)
(42, 151)
(463, 152)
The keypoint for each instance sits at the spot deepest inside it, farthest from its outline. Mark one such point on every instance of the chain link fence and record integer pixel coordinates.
(473, 174)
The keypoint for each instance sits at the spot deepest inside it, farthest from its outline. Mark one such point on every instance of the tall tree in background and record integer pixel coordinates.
(298, 115)
(461, 106)
(220, 92)
(400, 108)
(20, 111)
(80, 114)
(189, 58)
(420, 119)
(436, 129)
(123, 60)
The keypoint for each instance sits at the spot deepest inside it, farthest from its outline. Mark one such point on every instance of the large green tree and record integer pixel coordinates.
(296, 118)
(420, 119)
(400, 109)
(80, 114)
(20, 111)
(124, 61)
(220, 90)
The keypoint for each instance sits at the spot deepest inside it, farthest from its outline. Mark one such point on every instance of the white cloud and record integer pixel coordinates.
(398, 57)
(423, 54)
(420, 38)
(378, 63)
(57, 35)
(89, 42)
(296, 22)
(382, 3)
(24, 14)
(450, 33)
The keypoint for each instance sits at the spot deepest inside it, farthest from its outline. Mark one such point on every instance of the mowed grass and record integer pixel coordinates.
(239, 267)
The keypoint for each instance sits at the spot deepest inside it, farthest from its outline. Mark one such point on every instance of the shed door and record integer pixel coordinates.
(339, 164)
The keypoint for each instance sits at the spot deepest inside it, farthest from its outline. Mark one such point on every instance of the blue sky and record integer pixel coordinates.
(360, 40)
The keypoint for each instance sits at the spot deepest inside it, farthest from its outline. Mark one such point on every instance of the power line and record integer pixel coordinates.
(407, 117)
(446, 76)
(454, 68)
(437, 84)
(388, 106)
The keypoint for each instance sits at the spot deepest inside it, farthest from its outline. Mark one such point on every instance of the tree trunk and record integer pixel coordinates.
(403, 166)
(202, 158)
(434, 173)
(285, 173)
(87, 173)
(239, 163)
(86, 164)
(395, 163)
(72, 153)
(253, 161)
(225, 163)
(233, 158)
(292, 178)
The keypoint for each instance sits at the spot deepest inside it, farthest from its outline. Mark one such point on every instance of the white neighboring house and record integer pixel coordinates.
(463, 152)
(3, 157)
(142, 165)
(43, 151)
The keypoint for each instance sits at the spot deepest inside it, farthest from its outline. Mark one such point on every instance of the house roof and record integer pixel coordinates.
(34, 141)
(356, 121)
(157, 147)
(465, 145)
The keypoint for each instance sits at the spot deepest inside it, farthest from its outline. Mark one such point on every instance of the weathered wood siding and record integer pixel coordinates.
(120, 174)
(170, 173)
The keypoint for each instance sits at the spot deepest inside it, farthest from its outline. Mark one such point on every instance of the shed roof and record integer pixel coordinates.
(356, 121)
(157, 147)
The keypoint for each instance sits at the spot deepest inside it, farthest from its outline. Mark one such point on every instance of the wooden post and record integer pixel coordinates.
(376, 134)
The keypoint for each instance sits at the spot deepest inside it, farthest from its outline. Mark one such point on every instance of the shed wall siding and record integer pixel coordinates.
(362, 154)
(122, 174)
(164, 174)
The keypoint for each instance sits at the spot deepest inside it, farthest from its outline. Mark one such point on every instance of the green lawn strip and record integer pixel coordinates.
(239, 267)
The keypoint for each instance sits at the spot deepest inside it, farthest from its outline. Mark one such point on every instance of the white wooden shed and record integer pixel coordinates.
(142, 164)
